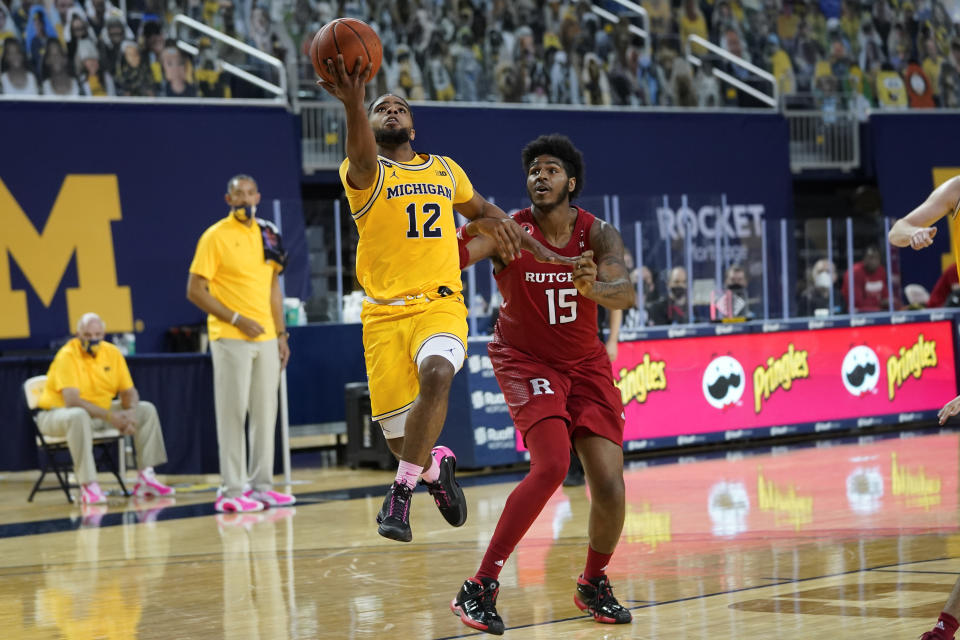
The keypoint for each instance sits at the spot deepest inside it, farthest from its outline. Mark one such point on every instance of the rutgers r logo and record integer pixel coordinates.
(78, 227)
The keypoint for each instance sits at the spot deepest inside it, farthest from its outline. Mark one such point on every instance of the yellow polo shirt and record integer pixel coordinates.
(99, 378)
(230, 256)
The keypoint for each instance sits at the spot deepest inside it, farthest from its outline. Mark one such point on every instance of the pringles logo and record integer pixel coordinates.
(910, 361)
(779, 373)
(860, 370)
(723, 382)
(637, 383)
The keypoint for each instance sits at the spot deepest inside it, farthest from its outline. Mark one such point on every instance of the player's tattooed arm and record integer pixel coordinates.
(916, 229)
(605, 279)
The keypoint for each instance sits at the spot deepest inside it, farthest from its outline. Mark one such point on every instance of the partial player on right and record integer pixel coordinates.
(555, 375)
(916, 230)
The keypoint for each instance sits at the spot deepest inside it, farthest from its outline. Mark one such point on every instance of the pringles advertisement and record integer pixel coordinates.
(686, 386)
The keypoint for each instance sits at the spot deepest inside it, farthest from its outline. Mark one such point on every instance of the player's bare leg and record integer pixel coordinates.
(947, 624)
(423, 425)
(603, 467)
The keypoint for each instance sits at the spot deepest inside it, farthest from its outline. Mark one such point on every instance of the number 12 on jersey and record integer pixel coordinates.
(565, 301)
(431, 209)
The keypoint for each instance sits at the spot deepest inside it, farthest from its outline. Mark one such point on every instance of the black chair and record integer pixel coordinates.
(55, 455)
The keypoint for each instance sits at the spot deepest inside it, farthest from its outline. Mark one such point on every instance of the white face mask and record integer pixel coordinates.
(823, 280)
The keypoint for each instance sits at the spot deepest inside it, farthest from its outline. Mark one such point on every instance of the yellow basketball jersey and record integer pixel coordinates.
(408, 242)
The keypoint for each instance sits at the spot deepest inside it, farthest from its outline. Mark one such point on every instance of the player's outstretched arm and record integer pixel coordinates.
(915, 229)
(350, 89)
(606, 280)
(508, 235)
(487, 232)
(949, 410)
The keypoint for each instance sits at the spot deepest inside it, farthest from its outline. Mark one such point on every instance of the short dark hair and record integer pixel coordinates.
(558, 146)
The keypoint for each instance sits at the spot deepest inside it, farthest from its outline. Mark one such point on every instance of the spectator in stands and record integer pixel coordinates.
(932, 62)
(94, 81)
(949, 87)
(58, 78)
(133, 78)
(815, 298)
(649, 81)
(15, 77)
(153, 46)
(175, 83)
(564, 84)
(869, 283)
(407, 79)
(735, 301)
(61, 17)
(692, 22)
(78, 401)
(438, 75)
(111, 39)
(39, 30)
(468, 70)
(673, 308)
(97, 11)
(211, 82)
(596, 86)
(707, 86)
(8, 28)
(946, 292)
(77, 29)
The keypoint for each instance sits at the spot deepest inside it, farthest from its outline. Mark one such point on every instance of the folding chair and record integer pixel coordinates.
(53, 448)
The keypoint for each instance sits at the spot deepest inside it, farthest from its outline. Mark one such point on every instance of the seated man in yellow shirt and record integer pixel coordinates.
(77, 401)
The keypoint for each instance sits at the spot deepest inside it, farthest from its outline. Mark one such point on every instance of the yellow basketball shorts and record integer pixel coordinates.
(392, 335)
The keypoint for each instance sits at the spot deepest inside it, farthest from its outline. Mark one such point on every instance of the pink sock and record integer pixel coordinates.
(432, 473)
(408, 473)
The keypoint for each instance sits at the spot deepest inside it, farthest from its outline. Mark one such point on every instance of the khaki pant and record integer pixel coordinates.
(246, 377)
(76, 425)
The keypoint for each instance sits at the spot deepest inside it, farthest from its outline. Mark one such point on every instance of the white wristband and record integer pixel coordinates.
(233, 320)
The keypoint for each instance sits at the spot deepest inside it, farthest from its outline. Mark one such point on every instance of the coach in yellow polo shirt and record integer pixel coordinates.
(78, 400)
(234, 278)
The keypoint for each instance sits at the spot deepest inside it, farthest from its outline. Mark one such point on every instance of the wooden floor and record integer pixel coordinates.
(833, 540)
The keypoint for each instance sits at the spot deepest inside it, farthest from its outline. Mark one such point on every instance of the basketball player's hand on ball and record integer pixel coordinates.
(584, 273)
(348, 88)
(922, 237)
(949, 410)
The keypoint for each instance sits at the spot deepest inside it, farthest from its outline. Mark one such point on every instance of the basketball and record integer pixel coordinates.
(348, 36)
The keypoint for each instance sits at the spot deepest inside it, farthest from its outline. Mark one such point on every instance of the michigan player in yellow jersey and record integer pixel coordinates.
(916, 230)
(414, 317)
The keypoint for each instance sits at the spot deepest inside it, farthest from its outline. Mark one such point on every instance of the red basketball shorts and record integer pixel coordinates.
(582, 393)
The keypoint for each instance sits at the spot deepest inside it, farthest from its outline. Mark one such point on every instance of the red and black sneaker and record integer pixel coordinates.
(394, 516)
(446, 491)
(596, 598)
(476, 604)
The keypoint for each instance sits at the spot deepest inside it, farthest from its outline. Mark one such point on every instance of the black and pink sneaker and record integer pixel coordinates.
(446, 491)
(394, 516)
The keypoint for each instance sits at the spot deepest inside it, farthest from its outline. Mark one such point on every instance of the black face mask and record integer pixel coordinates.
(90, 346)
(737, 289)
(678, 293)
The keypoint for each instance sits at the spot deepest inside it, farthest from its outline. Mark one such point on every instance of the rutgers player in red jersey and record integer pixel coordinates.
(555, 375)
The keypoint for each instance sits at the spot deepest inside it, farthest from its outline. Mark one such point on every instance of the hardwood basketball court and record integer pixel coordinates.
(840, 539)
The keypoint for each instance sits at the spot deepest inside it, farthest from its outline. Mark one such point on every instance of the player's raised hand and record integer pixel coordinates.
(584, 273)
(949, 410)
(922, 237)
(347, 87)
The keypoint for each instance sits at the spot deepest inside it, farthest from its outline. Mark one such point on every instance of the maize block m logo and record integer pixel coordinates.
(78, 225)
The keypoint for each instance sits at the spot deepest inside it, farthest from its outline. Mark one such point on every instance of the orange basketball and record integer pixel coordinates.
(350, 37)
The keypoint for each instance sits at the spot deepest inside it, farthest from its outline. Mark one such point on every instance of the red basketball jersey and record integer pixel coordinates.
(542, 313)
